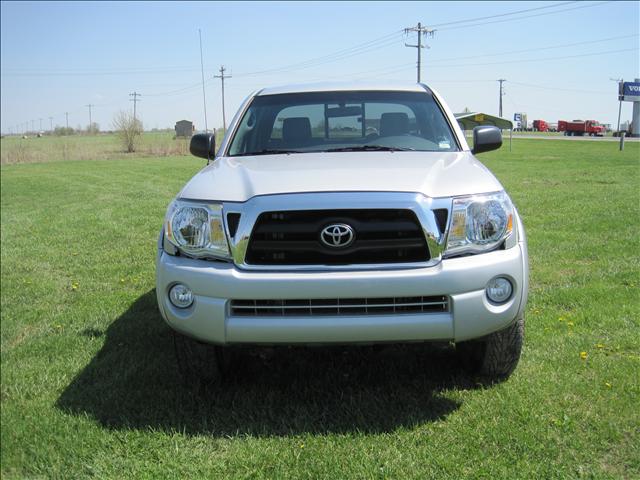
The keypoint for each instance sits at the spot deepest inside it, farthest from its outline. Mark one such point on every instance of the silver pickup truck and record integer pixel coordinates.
(344, 213)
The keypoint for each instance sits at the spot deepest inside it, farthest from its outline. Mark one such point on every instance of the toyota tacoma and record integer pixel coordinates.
(344, 214)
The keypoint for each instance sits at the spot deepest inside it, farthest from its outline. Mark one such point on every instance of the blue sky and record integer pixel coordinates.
(59, 57)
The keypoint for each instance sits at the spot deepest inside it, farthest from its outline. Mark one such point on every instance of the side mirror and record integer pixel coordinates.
(486, 138)
(203, 145)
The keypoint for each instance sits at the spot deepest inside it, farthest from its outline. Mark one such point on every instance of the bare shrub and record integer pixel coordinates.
(128, 129)
(93, 129)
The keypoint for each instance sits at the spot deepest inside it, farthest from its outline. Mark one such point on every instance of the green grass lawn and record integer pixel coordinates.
(90, 387)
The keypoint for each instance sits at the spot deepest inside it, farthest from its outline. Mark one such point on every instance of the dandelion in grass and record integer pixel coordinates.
(583, 355)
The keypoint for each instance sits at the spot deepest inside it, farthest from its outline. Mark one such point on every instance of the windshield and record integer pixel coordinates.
(342, 121)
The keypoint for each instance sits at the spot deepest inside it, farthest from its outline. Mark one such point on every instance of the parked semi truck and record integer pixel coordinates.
(580, 128)
(540, 126)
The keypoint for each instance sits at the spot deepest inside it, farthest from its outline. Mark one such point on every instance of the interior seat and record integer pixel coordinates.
(296, 131)
(394, 123)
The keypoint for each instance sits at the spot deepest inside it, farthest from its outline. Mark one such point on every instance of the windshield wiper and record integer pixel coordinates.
(267, 151)
(370, 148)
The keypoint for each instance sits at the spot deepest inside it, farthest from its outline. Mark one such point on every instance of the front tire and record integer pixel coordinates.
(496, 356)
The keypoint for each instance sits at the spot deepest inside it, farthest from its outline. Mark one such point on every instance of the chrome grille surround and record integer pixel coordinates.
(422, 206)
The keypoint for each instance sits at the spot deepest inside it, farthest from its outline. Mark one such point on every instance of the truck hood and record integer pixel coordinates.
(434, 174)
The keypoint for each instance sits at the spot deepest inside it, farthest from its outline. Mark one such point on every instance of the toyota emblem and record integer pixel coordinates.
(337, 235)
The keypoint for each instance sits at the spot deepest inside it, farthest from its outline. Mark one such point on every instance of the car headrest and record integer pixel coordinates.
(296, 129)
(394, 123)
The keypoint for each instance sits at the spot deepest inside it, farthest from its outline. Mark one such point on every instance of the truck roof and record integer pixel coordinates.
(344, 86)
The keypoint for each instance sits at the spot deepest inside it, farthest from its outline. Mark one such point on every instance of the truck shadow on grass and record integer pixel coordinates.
(133, 382)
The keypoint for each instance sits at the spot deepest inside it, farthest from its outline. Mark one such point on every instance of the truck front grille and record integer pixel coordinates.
(339, 306)
(382, 236)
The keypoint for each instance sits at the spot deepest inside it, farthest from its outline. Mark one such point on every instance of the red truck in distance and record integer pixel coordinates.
(580, 128)
(540, 126)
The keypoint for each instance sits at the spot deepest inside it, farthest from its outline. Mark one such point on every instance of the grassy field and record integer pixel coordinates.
(90, 387)
(18, 150)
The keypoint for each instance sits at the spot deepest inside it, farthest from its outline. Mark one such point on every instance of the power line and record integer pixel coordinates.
(222, 76)
(502, 14)
(551, 47)
(420, 31)
(525, 16)
(393, 69)
(94, 72)
(177, 91)
(359, 49)
(538, 59)
(373, 45)
(544, 87)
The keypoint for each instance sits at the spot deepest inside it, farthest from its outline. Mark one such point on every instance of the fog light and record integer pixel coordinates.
(499, 290)
(181, 296)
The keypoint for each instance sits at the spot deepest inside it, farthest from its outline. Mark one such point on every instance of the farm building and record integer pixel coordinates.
(184, 128)
(470, 120)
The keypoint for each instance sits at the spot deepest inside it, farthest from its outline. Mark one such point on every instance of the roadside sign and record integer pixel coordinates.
(629, 91)
(517, 117)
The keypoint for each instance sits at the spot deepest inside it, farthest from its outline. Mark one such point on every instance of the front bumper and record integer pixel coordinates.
(463, 280)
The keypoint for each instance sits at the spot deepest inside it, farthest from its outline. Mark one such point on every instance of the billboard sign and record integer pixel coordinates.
(629, 91)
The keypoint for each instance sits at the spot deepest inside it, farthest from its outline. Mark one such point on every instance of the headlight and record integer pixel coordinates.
(479, 223)
(196, 229)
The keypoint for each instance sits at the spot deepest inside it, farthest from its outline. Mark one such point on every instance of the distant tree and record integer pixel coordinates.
(93, 129)
(129, 130)
(62, 131)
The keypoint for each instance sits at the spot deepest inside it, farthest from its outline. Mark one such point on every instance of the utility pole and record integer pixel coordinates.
(421, 31)
(501, 80)
(51, 123)
(204, 98)
(89, 129)
(619, 81)
(135, 100)
(222, 76)
(66, 114)
(40, 124)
